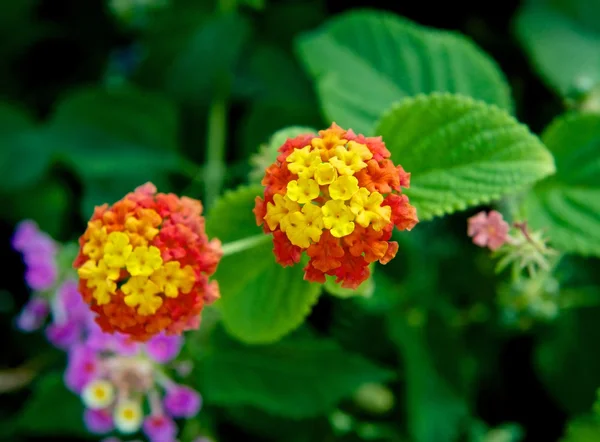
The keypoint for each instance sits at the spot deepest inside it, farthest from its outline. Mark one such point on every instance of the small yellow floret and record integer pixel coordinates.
(278, 213)
(302, 190)
(141, 292)
(338, 218)
(347, 162)
(172, 279)
(325, 174)
(369, 211)
(305, 226)
(303, 162)
(117, 250)
(143, 261)
(343, 188)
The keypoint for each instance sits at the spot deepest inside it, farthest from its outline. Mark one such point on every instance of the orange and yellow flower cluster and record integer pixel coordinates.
(144, 264)
(337, 197)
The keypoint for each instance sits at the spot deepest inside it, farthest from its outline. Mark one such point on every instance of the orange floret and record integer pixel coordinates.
(144, 264)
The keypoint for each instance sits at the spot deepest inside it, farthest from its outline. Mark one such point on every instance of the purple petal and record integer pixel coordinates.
(41, 277)
(33, 315)
(25, 234)
(163, 349)
(72, 302)
(117, 343)
(64, 335)
(42, 250)
(98, 421)
(182, 401)
(124, 345)
(83, 366)
(160, 428)
(97, 339)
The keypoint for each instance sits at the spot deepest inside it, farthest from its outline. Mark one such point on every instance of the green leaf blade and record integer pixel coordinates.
(260, 300)
(115, 140)
(297, 377)
(360, 74)
(461, 152)
(567, 204)
(550, 37)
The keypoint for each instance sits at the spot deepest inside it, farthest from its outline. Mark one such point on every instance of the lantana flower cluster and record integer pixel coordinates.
(337, 197)
(144, 264)
(125, 385)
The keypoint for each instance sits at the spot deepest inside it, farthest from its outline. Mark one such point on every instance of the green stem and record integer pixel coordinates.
(215, 154)
(244, 244)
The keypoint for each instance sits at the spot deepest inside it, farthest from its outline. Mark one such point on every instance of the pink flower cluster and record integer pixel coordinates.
(115, 376)
(488, 230)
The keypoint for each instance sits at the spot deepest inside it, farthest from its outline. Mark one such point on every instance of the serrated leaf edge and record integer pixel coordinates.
(450, 209)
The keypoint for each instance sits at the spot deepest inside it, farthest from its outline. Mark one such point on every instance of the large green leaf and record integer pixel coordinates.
(260, 300)
(42, 417)
(567, 205)
(363, 61)
(461, 152)
(298, 377)
(115, 140)
(562, 38)
(133, 115)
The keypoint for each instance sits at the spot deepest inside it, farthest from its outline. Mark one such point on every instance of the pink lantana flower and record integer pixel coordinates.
(488, 229)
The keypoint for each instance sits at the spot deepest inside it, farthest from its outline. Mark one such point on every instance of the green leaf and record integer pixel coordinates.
(24, 158)
(567, 205)
(567, 359)
(133, 115)
(42, 417)
(364, 61)
(298, 377)
(260, 300)
(201, 63)
(551, 36)
(435, 411)
(461, 152)
(115, 140)
(281, 95)
(272, 75)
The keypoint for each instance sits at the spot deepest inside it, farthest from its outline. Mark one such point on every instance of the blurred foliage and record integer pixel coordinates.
(99, 98)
